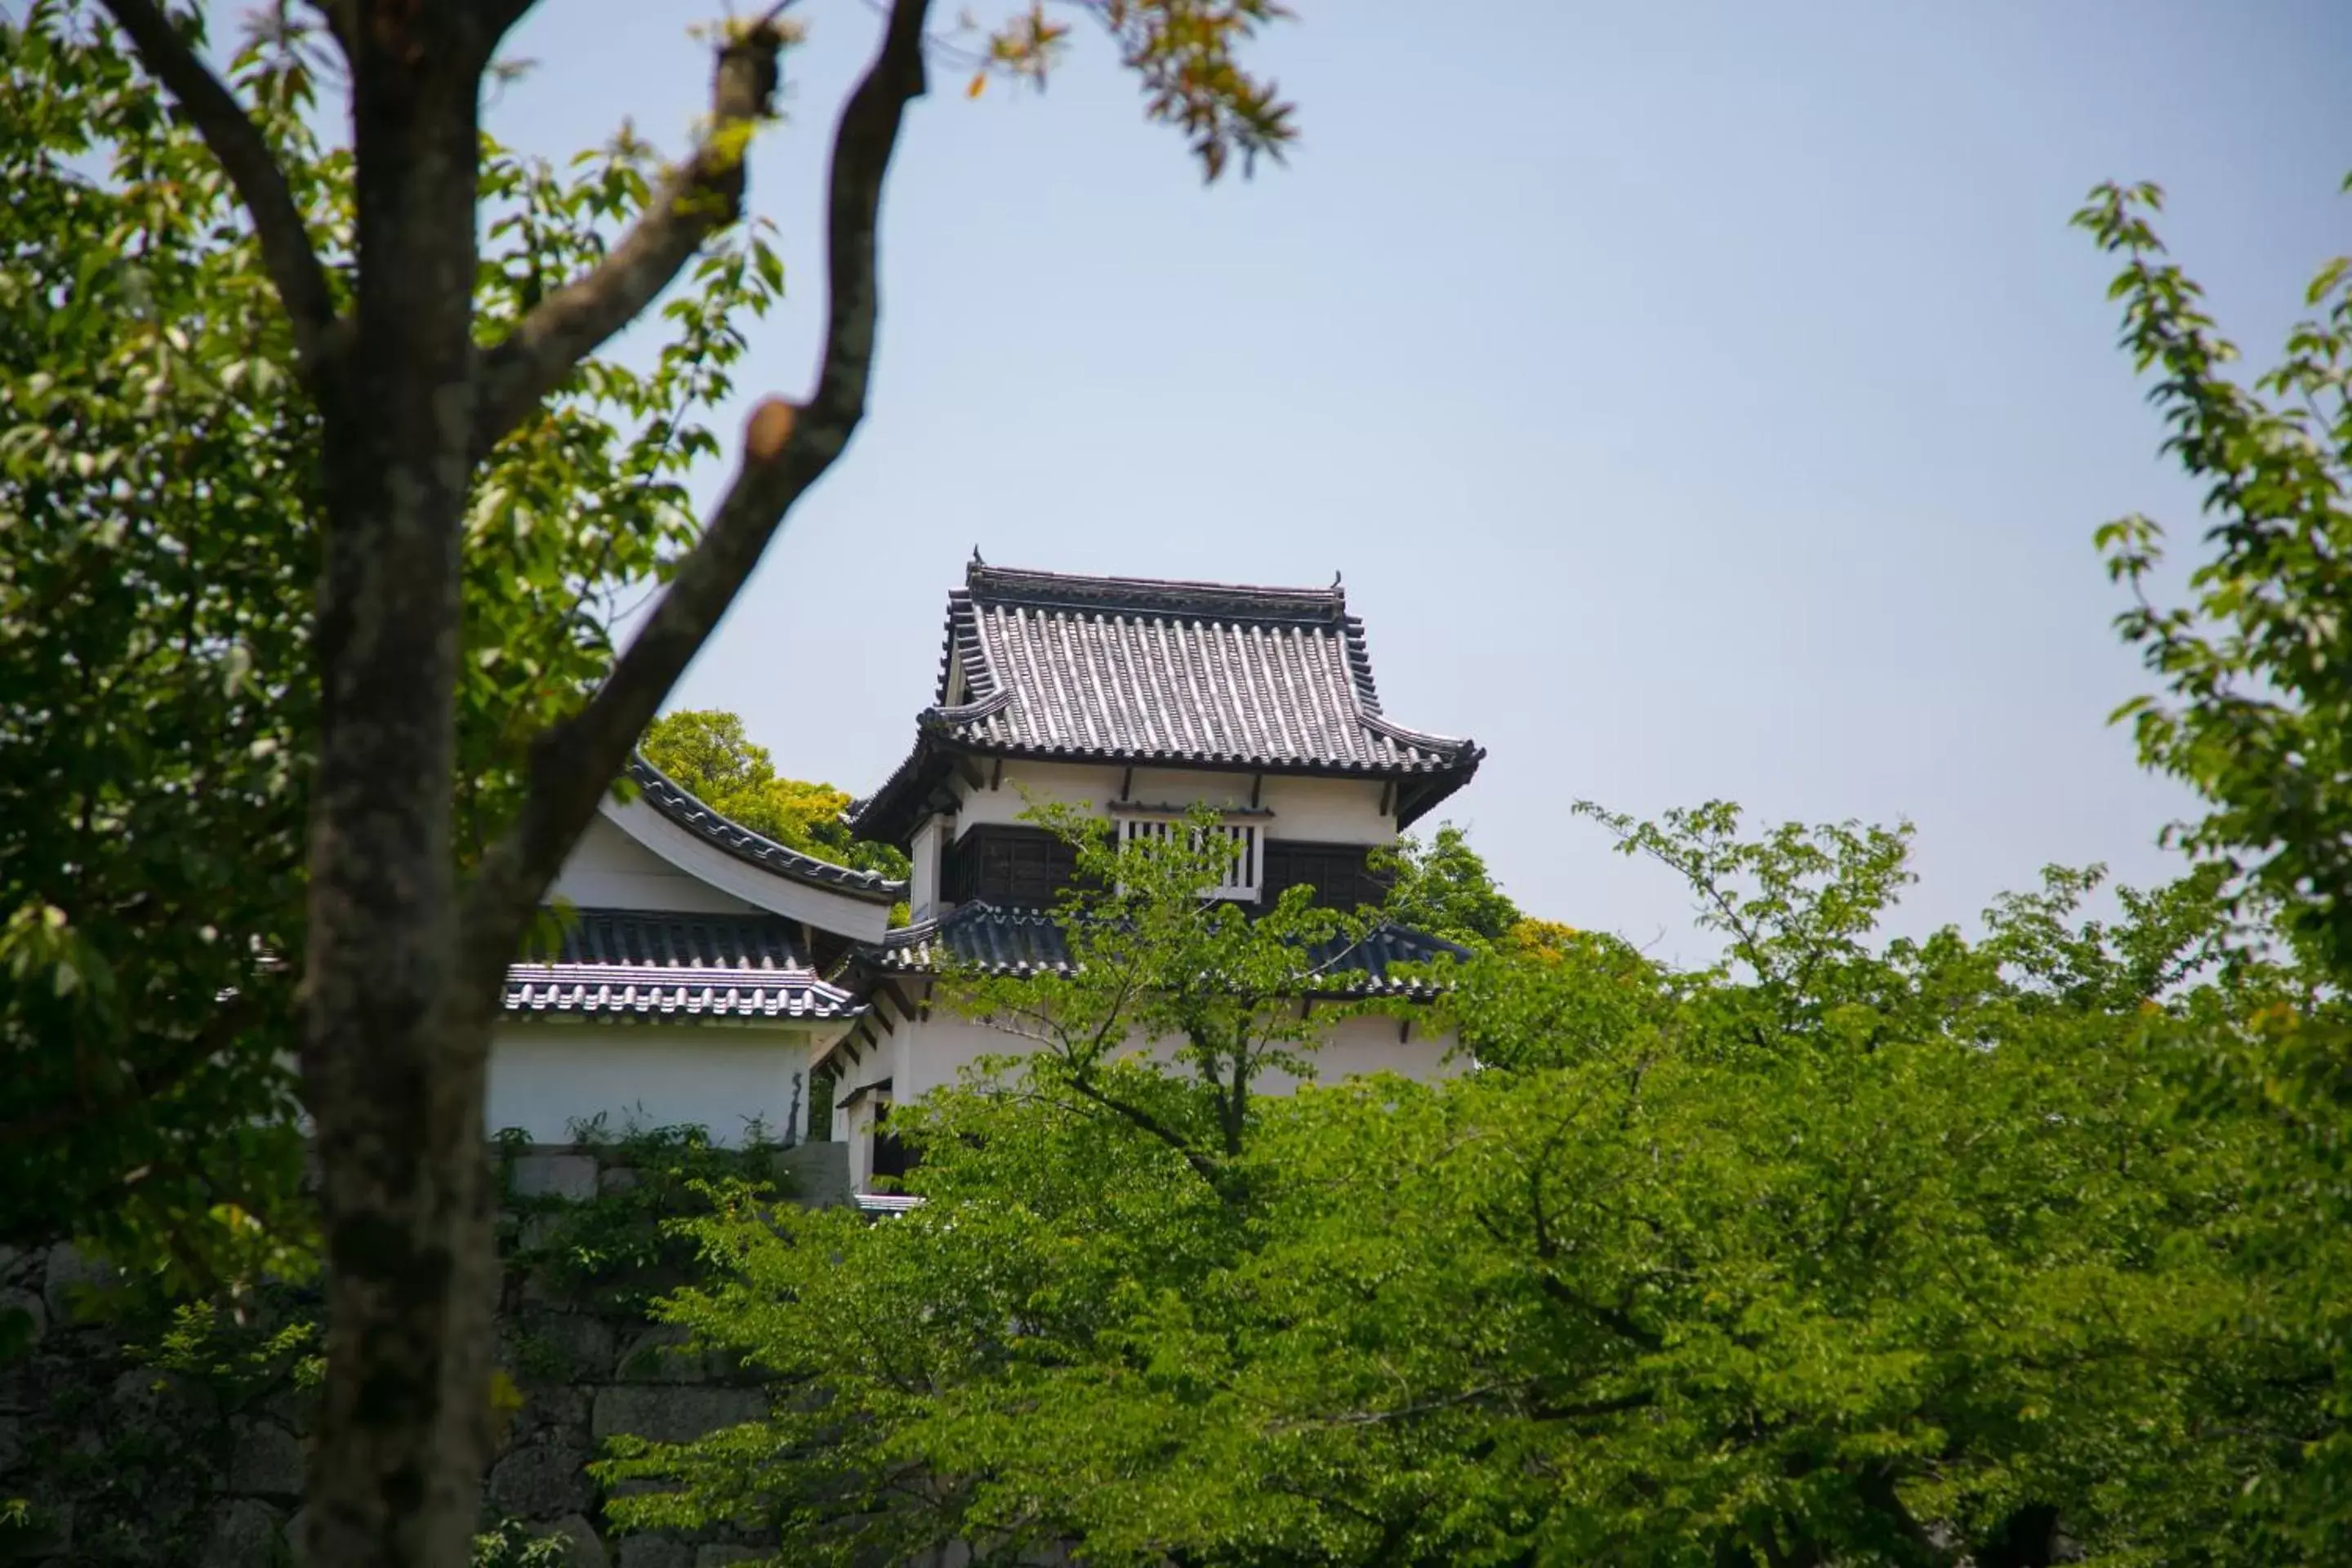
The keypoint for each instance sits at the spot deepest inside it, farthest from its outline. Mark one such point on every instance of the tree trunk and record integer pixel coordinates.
(392, 1056)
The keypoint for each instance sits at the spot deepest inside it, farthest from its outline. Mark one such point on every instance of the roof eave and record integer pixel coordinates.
(889, 814)
(1424, 792)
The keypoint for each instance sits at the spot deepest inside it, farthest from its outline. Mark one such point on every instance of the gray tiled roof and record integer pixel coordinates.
(655, 963)
(1179, 674)
(677, 939)
(665, 795)
(1030, 942)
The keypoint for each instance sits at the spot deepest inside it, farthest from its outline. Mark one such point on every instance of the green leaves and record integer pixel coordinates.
(1443, 887)
(1187, 56)
(155, 565)
(2254, 712)
(708, 753)
(159, 527)
(1869, 1252)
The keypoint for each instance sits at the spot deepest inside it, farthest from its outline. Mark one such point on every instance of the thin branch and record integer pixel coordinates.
(1202, 1166)
(786, 452)
(694, 201)
(1618, 1405)
(236, 141)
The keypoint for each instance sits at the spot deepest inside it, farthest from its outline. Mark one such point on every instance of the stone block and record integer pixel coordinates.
(556, 1410)
(584, 1547)
(814, 1176)
(571, 1176)
(661, 1354)
(619, 1179)
(265, 1461)
(569, 1347)
(667, 1414)
(720, 1556)
(542, 1481)
(35, 1311)
(292, 1408)
(73, 1275)
(244, 1534)
(654, 1552)
(20, 1390)
(47, 1530)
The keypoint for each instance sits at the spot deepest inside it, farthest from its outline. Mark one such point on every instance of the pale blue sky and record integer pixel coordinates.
(1701, 399)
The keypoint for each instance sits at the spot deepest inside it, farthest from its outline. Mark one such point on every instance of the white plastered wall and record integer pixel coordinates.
(917, 1055)
(1316, 810)
(863, 919)
(547, 1077)
(923, 884)
(609, 869)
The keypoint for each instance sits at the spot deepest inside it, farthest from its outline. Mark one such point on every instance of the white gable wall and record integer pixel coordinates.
(609, 869)
(865, 919)
(1318, 810)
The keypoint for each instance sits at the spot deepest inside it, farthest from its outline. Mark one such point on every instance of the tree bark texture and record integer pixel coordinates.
(404, 967)
(395, 1097)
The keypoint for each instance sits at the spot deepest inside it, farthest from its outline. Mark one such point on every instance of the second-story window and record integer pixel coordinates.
(1244, 862)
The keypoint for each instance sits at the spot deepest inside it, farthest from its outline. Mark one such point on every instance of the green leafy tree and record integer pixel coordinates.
(707, 752)
(1107, 1163)
(1843, 1251)
(2254, 712)
(1443, 887)
(434, 309)
(156, 620)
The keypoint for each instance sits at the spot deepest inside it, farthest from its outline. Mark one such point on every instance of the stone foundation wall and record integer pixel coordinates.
(152, 1443)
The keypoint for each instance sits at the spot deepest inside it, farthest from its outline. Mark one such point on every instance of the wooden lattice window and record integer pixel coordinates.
(1243, 863)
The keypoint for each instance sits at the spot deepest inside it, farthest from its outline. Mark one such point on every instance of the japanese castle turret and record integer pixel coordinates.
(1139, 700)
(706, 974)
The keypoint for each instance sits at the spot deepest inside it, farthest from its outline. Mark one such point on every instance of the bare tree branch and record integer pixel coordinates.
(694, 201)
(236, 141)
(786, 451)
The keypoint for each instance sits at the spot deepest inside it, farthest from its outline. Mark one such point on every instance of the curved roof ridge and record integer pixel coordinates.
(1075, 590)
(1425, 740)
(680, 805)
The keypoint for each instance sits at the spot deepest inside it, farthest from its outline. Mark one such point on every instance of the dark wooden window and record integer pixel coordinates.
(1028, 868)
(891, 1157)
(1020, 868)
(820, 1114)
(1341, 874)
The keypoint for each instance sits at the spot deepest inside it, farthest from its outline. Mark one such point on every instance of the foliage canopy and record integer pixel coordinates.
(1847, 1250)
